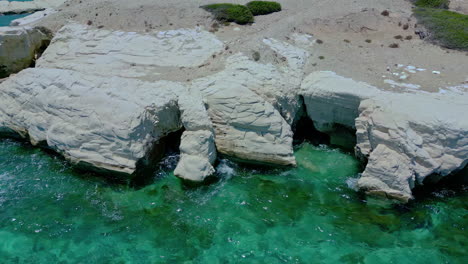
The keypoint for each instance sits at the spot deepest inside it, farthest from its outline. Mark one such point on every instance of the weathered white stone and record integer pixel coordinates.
(90, 114)
(28, 6)
(279, 86)
(197, 147)
(33, 18)
(193, 112)
(197, 155)
(405, 136)
(246, 126)
(109, 123)
(127, 54)
(408, 137)
(19, 47)
(332, 99)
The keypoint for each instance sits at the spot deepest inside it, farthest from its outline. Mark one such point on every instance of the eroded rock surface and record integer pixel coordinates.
(33, 18)
(19, 47)
(108, 123)
(98, 97)
(406, 137)
(332, 99)
(246, 126)
(197, 147)
(127, 54)
(18, 7)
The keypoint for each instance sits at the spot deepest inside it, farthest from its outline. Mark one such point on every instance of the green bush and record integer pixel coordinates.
(263, 7)
(230, 13)
(433, 3)
(447, 28)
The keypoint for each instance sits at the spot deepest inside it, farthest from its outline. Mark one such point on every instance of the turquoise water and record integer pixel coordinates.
(5, 20)
(52, 214)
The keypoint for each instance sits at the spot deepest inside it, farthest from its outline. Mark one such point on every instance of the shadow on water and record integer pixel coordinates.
(435, 187)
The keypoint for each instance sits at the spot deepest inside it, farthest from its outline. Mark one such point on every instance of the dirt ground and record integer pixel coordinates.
(352, 38)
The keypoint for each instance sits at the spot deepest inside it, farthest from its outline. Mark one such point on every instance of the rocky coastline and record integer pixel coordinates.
(108, 100)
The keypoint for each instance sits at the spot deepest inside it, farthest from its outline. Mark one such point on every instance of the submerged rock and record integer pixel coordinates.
(19, 47)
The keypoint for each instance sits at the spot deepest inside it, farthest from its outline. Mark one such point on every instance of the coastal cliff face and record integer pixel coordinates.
(102, 98)
(108, 123)
(19, 47)
(405, 137)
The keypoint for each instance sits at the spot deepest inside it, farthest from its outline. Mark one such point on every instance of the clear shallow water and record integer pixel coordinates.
(51, 214)
(5, 20)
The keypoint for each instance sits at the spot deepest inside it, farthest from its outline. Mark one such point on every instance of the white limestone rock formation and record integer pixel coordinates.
(246, 126)
(197, 147)
(252, 105)
(91, 101)
(405, 137)
(109, 123)
(332, 99)
(17, 7)
(19, 47)
(408, 137)
(127, 54)
(33, 18)
(278, 84)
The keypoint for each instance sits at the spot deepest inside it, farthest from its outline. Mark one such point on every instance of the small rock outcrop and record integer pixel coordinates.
(107, 123)
(33, 18)
(17, 7)
(19, 47)
(197, 146)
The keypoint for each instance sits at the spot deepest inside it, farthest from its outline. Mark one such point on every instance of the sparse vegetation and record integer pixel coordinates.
(368, 40)
(448, 29)
(230, 13)
(385, 13)
(263, 7)
(433, 3)
(394, 45)
(319, 41)
(240, 14)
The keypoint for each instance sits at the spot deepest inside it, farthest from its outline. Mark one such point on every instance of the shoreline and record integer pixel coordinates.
(244, 106)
